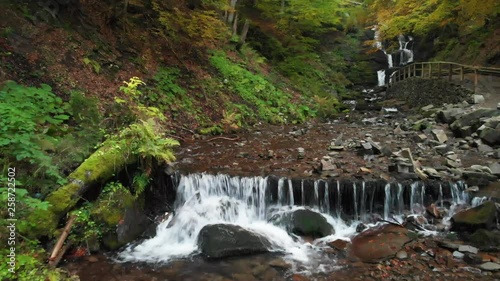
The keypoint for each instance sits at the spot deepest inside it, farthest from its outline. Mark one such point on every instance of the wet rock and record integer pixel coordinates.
(480, 168)
(338, 244)
(338, 141)
(482, 216)
(336, 147)
(439, 135)
(377, 149)
(477, 178)
(280, 263)
(379, 243)
(467, 249)
(366, 146)
(309, 223)
(360, 227)
(226, 240)
(490, 266)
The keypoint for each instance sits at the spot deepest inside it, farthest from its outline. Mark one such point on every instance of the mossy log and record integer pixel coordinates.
(102, 165)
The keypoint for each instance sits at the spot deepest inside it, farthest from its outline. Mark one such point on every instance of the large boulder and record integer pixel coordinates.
(483, 238)
(227, 240)
(470, 122)
(380, 243)
(482, 216)
(310, 223)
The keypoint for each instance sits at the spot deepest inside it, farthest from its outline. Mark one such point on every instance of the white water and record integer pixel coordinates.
(204, 199)
(381, 77)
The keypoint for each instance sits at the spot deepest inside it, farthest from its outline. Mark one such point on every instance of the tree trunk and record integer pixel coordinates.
(235, 25)
(232, 11)
(244, 32)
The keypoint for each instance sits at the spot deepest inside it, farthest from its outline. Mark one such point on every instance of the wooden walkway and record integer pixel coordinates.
(446, 70)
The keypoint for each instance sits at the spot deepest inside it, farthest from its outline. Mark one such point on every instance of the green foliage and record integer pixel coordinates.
(133, 101)
(94, 64)
(31, 266)
(145, 140)
(272, 105)
(140, 183)
(30, 119)
(212, 130)
(423, 17)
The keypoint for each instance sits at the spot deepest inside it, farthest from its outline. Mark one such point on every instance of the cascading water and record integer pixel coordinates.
(204, 199)
(405, 53)
(251, 202)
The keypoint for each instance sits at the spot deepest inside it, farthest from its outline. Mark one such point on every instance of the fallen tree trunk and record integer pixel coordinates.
(102, 165)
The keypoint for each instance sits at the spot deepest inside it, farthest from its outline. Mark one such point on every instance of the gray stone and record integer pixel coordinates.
(495, 168)
(339, 141)
(300, 152)
(420, 137)
(452, 163)
(336, 147)
(468, 249)
(458, 255)
(427, 107)
(449, 115)
(478, 99)
(480, 168)
(402, 255)
(442, 149)
(490, 136)
(366, 146)
(226, 240)
(490, 266)
(470, 122)
(471, 258)
(449, 245)
(483, 148)
(377, 149)
(440, 135)
(327, 165)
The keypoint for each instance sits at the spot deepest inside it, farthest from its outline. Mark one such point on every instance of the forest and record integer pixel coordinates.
(90, 89)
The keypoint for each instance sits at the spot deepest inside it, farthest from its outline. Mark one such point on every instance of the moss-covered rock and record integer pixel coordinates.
(482, 216)
(483, 238)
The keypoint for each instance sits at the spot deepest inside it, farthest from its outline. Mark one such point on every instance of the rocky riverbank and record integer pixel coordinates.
(457, 142)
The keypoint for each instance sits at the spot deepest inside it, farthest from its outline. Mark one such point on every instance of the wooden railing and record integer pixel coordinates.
(441, 69)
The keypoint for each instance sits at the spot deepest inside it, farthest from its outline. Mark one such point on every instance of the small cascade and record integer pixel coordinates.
(251, 202)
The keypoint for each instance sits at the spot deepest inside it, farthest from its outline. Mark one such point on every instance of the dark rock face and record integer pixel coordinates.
(227, 240)
(379, 243)
(309, 223)
(482, 216)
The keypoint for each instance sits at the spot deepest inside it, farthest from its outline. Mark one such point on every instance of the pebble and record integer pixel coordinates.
(490, 266)
(458, 255)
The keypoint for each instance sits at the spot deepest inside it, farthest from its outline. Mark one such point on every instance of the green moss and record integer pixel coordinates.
(479, 215)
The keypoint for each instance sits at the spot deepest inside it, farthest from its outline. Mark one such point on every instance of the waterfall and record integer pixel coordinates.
(381, 77)
(281, 191)
(387, 203)
(251, 202)
(326, 200)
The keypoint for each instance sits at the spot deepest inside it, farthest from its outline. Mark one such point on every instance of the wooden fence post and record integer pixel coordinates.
(476, 79)
(430, 70)
(439, 70)
(461, 73)
(450, 74)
